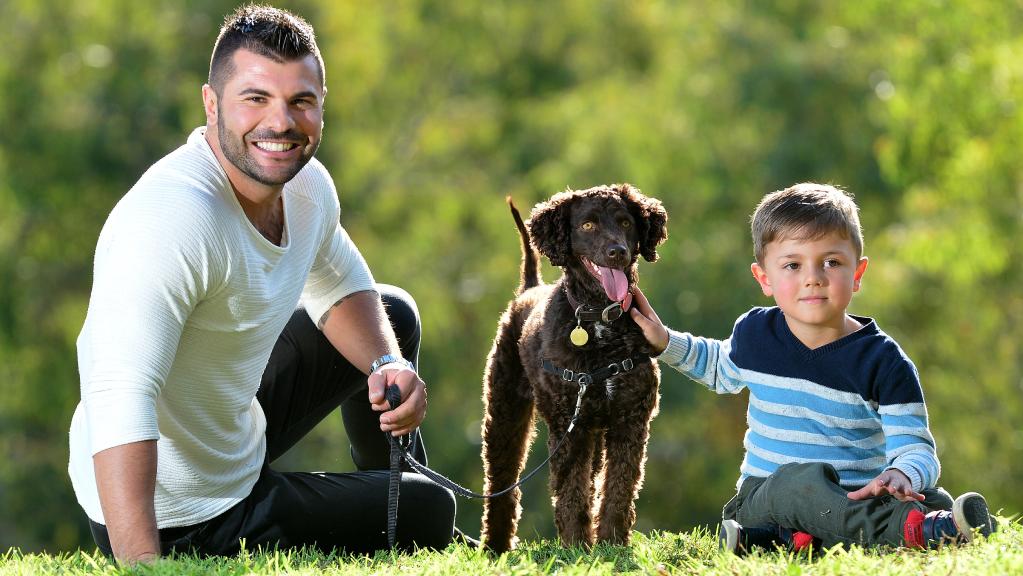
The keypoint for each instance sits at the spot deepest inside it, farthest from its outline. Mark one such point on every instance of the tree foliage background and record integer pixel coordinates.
(438, 110)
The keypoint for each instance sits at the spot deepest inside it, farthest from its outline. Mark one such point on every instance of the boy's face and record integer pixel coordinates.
(812, 281)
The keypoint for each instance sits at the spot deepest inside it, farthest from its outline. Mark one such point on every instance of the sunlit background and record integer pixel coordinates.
(437, 110)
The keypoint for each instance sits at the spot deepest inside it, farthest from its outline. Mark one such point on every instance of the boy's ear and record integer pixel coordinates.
(858, 274)
(761, 276)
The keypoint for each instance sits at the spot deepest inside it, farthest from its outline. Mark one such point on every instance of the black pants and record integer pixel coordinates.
(807, 497)
(305, 380)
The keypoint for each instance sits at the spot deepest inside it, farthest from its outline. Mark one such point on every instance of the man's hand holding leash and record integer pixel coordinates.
(407, 416)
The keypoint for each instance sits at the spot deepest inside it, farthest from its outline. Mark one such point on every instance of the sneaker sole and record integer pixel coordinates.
(970, 512)
(728, 536)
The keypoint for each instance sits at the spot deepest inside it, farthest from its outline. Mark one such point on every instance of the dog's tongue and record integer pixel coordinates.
(616, 286)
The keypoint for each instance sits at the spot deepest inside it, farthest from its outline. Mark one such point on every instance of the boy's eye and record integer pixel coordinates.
(791, 266)
(832, 263)
(588, 226)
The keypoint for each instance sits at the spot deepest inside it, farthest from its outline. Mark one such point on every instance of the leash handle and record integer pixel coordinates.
(393, 395)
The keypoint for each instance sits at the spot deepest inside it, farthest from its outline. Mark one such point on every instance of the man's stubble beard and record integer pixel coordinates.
(235, 150)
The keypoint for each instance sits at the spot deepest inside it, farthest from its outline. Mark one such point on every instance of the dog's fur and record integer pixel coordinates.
(606, 451)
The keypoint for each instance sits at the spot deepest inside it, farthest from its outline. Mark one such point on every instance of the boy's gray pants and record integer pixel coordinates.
(808, 498)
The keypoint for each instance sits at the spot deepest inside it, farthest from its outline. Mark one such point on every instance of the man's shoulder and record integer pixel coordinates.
(190, 167)
(186, 184)
(314, 183)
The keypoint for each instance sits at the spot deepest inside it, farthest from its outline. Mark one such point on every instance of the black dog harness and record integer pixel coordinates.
(587, 378)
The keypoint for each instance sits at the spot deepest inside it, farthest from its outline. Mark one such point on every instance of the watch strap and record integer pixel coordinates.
(390, 359)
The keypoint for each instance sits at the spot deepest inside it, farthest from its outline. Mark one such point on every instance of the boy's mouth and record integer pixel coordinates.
(814, 299)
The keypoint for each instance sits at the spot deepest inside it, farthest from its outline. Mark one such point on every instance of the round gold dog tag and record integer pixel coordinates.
(579, 336)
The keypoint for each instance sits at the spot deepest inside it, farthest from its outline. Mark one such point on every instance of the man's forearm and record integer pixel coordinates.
(126, 480)
(358, 327)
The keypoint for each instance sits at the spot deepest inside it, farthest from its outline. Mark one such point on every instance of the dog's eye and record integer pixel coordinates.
(626, 224)
(588, 226)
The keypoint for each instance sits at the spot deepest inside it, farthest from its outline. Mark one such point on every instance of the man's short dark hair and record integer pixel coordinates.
(270, 32)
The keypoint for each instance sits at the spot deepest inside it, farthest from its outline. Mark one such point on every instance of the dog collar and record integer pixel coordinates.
(608, 314)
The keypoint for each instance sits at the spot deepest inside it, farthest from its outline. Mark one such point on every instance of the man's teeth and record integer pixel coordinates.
(275, 146)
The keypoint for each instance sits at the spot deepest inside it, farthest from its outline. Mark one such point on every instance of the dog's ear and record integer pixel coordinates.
(651, 219)
(551, 230)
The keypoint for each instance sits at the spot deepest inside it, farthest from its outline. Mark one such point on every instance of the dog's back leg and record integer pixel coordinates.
(507, 432)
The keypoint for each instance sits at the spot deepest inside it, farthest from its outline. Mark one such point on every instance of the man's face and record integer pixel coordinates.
(270, 117)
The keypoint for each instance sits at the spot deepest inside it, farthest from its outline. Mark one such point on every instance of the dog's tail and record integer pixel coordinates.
(529, 275)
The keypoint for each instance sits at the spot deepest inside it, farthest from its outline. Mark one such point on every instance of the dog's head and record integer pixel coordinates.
(602, 229)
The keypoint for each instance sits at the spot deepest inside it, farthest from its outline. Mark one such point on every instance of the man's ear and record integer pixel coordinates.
(209, 104)
(761, 277)
(858, 275)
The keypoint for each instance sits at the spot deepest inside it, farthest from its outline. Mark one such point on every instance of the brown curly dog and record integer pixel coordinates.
(554, 338)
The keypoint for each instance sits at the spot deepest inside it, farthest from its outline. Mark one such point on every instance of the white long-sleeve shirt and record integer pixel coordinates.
(187, 302)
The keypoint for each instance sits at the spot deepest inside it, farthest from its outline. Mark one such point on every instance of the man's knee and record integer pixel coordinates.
(403, 314)
(427, 509)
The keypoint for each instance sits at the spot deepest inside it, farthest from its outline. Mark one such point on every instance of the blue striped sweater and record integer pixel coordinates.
(855, 403)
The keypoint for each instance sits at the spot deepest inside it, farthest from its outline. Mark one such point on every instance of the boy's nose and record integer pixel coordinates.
(815, 278)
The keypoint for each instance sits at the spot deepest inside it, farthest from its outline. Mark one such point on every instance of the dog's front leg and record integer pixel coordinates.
(623, 478)
(572, 486)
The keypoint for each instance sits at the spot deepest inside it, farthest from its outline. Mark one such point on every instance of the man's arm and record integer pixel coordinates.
(126, 480)
(358, 327)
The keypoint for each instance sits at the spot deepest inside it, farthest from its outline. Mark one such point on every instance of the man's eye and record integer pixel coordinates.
(588, 226)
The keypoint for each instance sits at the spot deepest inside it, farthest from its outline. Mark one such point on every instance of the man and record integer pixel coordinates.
(198, 367)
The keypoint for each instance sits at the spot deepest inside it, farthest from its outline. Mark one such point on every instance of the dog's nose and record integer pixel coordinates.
(615, 252)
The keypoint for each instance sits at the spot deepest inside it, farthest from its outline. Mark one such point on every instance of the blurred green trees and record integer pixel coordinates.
(437, 110)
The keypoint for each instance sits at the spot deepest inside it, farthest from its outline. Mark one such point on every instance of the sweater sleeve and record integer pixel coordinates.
(339, 268)
(150, 271)
(704, 360)
(909, 445)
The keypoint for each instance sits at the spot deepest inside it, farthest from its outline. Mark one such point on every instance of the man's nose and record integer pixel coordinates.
(279, 118)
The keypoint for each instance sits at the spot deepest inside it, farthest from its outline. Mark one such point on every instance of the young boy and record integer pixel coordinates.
(837, 445)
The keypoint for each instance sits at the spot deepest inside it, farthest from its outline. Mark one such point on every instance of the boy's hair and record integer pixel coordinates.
(805, 211)
(270, 32)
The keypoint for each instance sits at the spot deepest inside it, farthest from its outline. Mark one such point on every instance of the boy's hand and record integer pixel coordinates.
(645, 317)
(892, 482)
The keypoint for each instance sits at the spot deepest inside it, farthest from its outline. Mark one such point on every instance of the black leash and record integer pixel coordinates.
(399, 446)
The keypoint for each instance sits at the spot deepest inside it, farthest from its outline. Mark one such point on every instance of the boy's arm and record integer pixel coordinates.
(703, 359)
(909, 444)
(912, 461)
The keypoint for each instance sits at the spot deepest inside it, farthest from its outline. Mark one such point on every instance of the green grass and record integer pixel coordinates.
(657, 553)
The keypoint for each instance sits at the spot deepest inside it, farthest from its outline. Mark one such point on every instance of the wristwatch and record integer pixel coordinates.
(389, 359)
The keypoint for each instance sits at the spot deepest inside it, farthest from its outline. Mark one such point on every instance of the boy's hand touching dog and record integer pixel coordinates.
(891, 481)
(645, 317)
